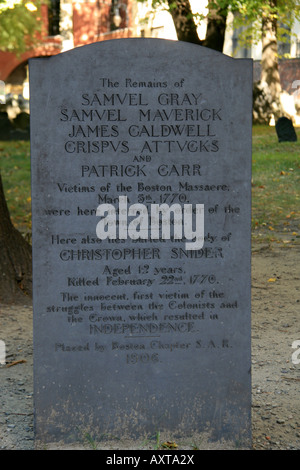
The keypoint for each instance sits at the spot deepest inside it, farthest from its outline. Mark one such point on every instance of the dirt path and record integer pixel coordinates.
(275, 372)
(275, 327)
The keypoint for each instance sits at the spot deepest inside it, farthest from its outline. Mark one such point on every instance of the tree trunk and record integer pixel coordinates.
(269, 61)
(15, 259)
(183, 20)
(216, 26)
(186, 28)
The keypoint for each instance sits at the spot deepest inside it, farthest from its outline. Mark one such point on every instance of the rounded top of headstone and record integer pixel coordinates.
(144, 48)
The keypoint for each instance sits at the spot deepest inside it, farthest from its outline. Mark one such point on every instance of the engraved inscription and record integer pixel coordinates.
(185, 123)
(141, 240)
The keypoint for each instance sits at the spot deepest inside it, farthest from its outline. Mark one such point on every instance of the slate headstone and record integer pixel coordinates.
(139, 330)
(285, 130)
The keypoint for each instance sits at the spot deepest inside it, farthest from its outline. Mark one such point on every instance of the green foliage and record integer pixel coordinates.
(19, 22)
(249, 14)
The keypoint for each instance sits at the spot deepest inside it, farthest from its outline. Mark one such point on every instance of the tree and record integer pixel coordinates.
(269, 59)
(19, 22)
(259, 19)
(15, 258)
(186, 22)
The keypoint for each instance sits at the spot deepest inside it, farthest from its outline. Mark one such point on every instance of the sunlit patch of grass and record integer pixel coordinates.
(15, 172)
(275, 182)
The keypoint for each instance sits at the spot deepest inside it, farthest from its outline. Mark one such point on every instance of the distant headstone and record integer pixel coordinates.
(141, 189)
(16, 130)
(6, 126)
(285, 130)
(22, 121)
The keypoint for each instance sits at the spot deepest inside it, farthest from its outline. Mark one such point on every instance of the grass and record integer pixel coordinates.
(275, 184)
(15, 172)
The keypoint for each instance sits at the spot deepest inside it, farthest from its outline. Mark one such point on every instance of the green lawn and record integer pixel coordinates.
(275, 184)
(15, 172)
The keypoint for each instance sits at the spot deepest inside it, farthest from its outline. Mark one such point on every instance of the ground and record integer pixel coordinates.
(275, 367)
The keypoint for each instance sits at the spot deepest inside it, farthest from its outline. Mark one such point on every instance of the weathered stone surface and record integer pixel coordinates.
(135, 336)
(285, 130)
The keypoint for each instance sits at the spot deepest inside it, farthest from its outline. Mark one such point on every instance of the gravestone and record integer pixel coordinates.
(6, 126)
(141, 318)
(285, 130)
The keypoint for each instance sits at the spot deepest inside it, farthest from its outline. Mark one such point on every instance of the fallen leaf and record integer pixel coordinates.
(170, 445)
(272, 279)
